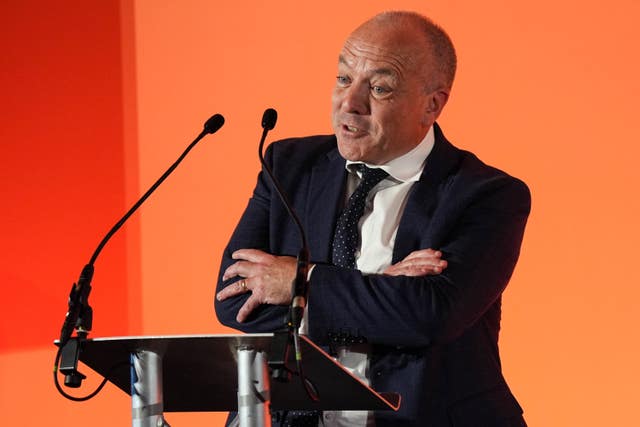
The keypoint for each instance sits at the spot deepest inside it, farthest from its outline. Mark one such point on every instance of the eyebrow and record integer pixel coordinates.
(381, 71)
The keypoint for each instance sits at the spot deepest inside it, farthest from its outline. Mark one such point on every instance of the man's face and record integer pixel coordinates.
(380, 105)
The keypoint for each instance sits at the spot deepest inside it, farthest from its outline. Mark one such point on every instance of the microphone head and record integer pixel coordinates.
(214, 123)
(269, 119)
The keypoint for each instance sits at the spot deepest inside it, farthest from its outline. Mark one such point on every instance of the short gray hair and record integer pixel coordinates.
(439, 43)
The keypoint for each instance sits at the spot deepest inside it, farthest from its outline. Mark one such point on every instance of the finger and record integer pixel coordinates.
(410, 271)
(227, 292)
(223, 295)
(229, 272)
(236, 288)
(415, 268)
(252, 255)
(240, 268)
(431, 265)
(424, 262)
(424, 253)
(251, 304)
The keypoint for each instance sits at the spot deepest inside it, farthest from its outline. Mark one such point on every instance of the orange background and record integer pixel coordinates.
(98, 98)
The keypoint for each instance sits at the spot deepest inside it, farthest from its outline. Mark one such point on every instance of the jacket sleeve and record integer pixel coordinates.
(482, 228)
(477, 222)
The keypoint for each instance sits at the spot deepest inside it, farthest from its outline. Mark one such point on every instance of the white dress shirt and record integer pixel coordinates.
(378, 227)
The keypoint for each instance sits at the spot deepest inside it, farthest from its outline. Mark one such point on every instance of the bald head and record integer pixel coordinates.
(418, 39)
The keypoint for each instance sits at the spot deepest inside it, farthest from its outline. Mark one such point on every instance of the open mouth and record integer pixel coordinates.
(352, 129)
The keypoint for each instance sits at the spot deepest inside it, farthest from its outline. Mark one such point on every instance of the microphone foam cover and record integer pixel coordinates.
(269, 118)
(214, 123)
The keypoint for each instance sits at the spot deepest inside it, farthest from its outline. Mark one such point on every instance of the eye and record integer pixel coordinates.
(379, 90)
(342, 81)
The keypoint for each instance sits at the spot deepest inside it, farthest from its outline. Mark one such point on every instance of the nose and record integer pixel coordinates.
(355, 99)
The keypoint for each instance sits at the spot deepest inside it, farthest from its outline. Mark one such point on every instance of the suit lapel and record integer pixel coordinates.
(423, 197)
(326, 192)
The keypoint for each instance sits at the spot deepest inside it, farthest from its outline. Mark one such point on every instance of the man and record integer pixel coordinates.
(418, 272)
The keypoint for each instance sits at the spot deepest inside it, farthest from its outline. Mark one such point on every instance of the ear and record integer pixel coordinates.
(436, 101)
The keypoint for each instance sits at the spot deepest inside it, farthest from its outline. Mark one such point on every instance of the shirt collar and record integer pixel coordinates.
(409, 166)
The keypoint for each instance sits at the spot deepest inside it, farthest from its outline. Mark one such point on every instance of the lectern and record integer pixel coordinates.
(222, 373)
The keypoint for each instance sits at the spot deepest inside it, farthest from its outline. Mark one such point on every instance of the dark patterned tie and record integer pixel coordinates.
(347, 238)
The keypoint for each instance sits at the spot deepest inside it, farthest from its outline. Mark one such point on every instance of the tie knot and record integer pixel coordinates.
(370, 176)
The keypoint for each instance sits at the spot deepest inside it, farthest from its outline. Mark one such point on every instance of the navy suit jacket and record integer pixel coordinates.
(434, 338)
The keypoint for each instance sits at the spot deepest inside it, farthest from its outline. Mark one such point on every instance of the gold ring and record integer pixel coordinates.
(243, 285)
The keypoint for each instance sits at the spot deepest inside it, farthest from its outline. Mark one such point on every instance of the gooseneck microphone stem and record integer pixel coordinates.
(80, 315)
(212, 125)
(300, 284)
(80, 291)
(299, 287)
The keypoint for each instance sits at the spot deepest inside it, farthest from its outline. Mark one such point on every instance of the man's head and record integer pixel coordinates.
(395, 74)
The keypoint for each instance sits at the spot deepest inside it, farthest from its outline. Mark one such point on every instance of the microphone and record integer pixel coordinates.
(80, 291)
(80, 315)
(300, 285)
(278, 356)
(269, 119)
(214, 123)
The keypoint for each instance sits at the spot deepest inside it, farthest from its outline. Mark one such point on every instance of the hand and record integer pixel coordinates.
(418, 263)
(267, 277)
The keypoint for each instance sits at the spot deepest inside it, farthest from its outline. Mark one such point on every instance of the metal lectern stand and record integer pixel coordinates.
(253, 388)
(204, 373)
